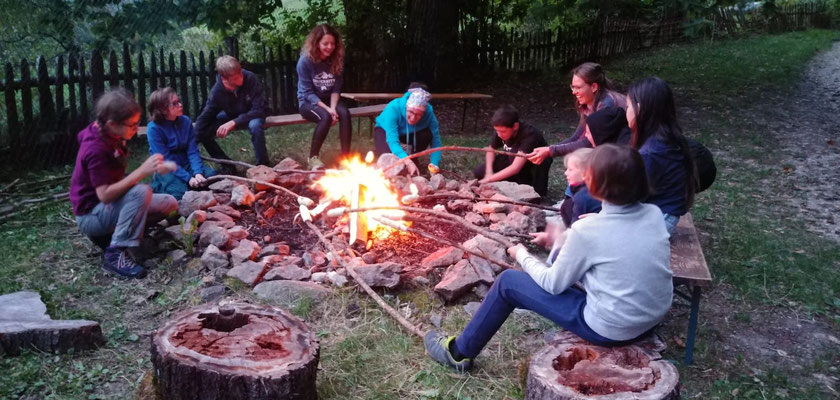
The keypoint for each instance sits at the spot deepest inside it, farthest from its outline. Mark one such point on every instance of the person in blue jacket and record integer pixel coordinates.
(652, 117)
(236, 101)
(171, 134)
(410, 120)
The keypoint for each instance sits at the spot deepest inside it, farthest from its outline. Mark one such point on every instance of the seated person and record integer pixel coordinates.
(172, 135)
(235, 101)
(627, 283)
(107, 201)
(515, 137)
(409, 119)
(578, 201)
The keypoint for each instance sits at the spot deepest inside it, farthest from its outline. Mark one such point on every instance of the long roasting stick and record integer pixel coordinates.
(453, 148)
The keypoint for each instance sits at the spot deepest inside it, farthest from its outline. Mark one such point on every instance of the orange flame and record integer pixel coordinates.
(374, 191)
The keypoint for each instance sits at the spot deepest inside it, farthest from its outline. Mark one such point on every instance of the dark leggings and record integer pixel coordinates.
(380, 141)
(323, 121)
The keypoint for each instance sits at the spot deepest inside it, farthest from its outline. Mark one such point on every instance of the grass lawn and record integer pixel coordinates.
(766, 268)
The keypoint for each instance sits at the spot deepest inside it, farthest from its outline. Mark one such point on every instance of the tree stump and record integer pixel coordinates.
(233, 352)
(570, 368)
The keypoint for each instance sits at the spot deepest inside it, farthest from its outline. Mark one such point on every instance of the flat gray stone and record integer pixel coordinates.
(457, 280)
(212, 293)
(224, 185)
(213, 235)
(442, 258)
(472, 307)
(195, 200)
(290, 292)
(23, 306)
(176, 256)
(246, 250)
(248, 272)
(226, 209)
(214, 258)
(287, 272)
(383, 275)
(242, 196)
(514, 190)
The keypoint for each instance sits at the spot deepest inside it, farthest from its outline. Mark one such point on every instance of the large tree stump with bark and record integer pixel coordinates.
(570, 368)
(234, 352)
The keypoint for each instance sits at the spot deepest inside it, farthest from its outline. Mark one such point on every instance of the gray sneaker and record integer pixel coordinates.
(437, 347)
(315, 163)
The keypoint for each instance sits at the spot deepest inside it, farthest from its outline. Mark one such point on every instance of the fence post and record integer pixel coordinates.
(26, 100)
(46, 107)
(114, 67)
(141, 86)
(197, 105)
(83, 83)
(290, 78)
(202, 79)
(272, 71)
(59, 88)
(97, 75)
(162, 76)
(73, 66)
(173, 76)
(11, 109)
(128, 77)
(184, 89)
(153, 72)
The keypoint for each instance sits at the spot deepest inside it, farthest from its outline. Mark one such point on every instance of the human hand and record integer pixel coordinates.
(512, 250)
(225, 129)
(411, 167)
(151, 164)
(543, 239)
(333, 114)
(433, 169)
(166, 167)
(197, 180)
(539, 155)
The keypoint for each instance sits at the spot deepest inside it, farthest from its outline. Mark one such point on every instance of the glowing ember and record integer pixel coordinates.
(356, 178)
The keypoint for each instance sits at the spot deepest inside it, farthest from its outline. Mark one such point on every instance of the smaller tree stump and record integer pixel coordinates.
(570, 368)
(235, 352)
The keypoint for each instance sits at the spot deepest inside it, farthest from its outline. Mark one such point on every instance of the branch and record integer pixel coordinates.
(390, 310)
(454, 148)
(9, 186)
(254, 181)
(514, 202)
(249, 166)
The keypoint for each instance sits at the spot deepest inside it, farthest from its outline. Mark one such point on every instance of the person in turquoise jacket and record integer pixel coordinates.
(171, 133)
(410, 120)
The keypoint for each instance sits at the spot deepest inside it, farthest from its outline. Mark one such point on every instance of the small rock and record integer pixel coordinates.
(457, 280)
(452, 185)
(436, 320)
(195, 200)
(319, 277)
(475, 219)
(420, 281)
(472, 307)
(291, 180)
(195, 219)
(488, 247)
(496, 217)
(207, 225)
(538, 220)
(387, 159)
(248, 272)
(226, 209)
(314, 259)
(513, 223)
(238, 233)
(443, 257)
(290, 292)
(287, 164)
(212, 293)
(384, 275)
(337, 279)
(242, 196)
(246, 250)
(369, 257)
(214, 258)
(481, 290)
(224, 185)
(262, 173)
(485, 207)
(269, 250)
(437, 182)
(222, 198)
(213, 235)
(514, 190)
(219, 217)
(292, 260)
(175, 233)
(422, 184)
(458, 205)
(287, 272)
(176, 256)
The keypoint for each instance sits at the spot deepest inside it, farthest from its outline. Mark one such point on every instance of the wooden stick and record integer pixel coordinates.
(432, 218)
(460, 221)
(249, 166)
(254, 181)
(228, 162)
(477, 199)
(390, 310)
(9, 186)
(453, 148)
(395, 225)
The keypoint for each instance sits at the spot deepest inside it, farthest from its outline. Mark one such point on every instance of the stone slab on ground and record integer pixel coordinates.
(24, 323)
(289, 292)
(383, 275)
(249, 272)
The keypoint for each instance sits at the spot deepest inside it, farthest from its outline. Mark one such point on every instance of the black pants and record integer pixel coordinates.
(323, 121)
(207, 137)
(422, 142)
(530, 174)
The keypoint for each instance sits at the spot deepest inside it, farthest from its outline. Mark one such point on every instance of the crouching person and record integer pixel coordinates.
(627, 284)
(105, 200)
(515, 137)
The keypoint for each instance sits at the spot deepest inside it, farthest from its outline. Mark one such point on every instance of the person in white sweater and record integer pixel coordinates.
(621, 256)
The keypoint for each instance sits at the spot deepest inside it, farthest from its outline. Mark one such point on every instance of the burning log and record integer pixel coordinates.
(237, 351)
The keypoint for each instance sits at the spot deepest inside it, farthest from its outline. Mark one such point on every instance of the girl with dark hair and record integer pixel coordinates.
(627, 284)
(320, 70)
(171, 134)
(593, 92)
(106, 201)
(652, 117)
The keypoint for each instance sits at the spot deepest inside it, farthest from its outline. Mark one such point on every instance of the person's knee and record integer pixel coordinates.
(255, 126)
(140, 193)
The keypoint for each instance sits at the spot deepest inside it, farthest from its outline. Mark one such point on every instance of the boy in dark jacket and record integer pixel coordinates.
(236, 101)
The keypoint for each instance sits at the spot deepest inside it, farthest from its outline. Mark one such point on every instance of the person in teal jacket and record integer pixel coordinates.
(171, 133)
(410, 120)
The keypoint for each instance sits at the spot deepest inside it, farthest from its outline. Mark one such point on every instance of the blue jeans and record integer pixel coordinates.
(671, 222)
(175, 186)
(514, 289)
(207, 137)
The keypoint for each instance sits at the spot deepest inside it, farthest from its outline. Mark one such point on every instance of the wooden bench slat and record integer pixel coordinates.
(687, 260)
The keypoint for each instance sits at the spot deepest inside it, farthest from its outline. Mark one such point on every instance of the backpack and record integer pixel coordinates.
(704, 161)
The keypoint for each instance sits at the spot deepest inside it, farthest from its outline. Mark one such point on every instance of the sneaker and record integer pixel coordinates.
(119, 262)
(315, 163)
(437, 347)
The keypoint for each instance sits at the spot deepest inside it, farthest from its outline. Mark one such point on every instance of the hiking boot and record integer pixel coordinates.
(119, 262)
(315, 163)
(437, 347)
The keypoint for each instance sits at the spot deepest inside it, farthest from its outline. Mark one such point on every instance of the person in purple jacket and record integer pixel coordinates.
(171, 134)
(105, 200)
(593, 92)
(320, 70)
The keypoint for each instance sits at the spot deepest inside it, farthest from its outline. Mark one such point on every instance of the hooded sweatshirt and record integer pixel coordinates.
(101, 160)
(664, 164)
(176, 141)
(395, 124)
(242, 105)
(609, 125)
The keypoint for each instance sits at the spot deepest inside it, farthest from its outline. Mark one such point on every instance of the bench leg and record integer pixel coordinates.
(692, 325)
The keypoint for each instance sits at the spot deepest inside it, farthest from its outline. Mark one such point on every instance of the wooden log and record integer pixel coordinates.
(237, 352)
(570, 368)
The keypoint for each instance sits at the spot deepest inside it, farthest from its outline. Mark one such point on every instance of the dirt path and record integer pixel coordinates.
(809, 133)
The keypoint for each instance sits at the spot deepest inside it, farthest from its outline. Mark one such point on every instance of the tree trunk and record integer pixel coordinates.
(572, 369)
(435, 52)
(235, 352)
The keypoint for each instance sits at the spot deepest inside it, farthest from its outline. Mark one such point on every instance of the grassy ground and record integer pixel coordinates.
(767, 271)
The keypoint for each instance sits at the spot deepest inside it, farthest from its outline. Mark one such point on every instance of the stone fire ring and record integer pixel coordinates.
(237, 351)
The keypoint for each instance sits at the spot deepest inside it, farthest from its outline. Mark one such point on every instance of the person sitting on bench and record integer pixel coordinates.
(171, 134)
(627, 284)
(236, 101)
(105, 200)
(515, 137)
(319, 71)
(409, 119)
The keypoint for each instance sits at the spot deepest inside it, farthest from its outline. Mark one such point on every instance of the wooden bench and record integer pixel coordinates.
(690, 271)
(371, 112)
(365, 97)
